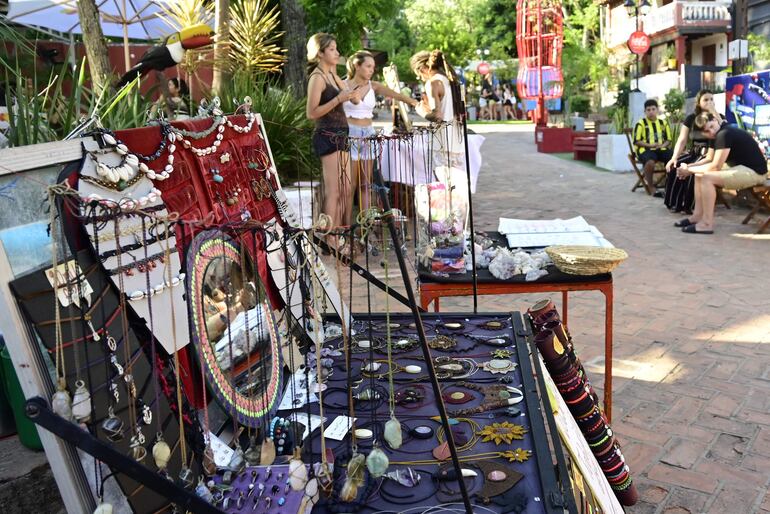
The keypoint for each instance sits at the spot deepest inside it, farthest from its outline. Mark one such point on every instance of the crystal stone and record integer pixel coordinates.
(393, 435)
(377, 462)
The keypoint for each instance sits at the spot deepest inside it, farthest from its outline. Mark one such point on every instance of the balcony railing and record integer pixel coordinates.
(687, 16)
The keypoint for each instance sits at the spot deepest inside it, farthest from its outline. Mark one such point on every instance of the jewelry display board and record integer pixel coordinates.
(488, 387)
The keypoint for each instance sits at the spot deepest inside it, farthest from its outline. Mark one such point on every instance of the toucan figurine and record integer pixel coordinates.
(171, 52)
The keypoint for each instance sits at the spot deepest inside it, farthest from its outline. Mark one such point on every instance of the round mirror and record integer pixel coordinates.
(234, 328)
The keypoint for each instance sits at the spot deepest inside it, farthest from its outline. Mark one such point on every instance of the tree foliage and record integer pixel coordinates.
(348, 20)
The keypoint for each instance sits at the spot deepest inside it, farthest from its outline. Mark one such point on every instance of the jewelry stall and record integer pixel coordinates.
(183, 347)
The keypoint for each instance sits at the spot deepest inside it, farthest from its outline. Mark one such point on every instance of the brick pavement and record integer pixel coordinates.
(692, 326)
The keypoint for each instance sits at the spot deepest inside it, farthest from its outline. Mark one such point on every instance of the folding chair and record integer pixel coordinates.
(660, 169)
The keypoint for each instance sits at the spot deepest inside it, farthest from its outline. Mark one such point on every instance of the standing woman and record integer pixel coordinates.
(361, 68)
(325, 95)
(680, 193)
(509, 101)
(441, 103)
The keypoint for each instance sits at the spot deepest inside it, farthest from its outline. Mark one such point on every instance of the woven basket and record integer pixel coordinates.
(586, 260)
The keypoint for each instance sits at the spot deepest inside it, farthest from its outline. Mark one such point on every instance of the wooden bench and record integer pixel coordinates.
(762, 195)
(584, 146)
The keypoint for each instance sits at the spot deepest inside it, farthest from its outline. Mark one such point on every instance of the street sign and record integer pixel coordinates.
(639, 43)
(738, 49)
(483, 68)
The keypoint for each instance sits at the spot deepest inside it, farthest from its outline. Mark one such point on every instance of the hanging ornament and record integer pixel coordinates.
(297, 471)
(81, 403)
(161, 453)
(209, 464)
(252, 454)
(393, 435)
(377, 462)
(237, 461)
(354, 478)
(138, 452)
(113, 426)
(203, 492)
(187, 477)
(103, 508)
(61, 403)
(267, 452)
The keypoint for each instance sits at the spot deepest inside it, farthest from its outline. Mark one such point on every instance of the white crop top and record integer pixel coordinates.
(365, 108)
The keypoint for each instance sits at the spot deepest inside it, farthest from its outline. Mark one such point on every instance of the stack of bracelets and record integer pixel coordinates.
(555, 345)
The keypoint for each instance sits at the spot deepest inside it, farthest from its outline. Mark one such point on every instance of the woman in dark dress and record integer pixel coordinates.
(680, 193)
(326, 92)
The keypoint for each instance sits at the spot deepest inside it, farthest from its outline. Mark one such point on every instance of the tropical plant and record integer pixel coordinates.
(674, 102)
(619, 116)
(288, 129)
(254, 38)
(759, 49)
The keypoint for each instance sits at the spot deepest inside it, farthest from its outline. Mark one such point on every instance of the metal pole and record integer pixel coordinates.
(474, 272)
(387, 216)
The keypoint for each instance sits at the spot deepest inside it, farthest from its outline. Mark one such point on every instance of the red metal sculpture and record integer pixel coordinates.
(539, 40)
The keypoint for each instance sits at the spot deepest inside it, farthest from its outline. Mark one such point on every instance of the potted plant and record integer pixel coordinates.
(671, 57)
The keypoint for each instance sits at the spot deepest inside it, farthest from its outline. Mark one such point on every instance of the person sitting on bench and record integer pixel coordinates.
(652, 138)
(747, 168)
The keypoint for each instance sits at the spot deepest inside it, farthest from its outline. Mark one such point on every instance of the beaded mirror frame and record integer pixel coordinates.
(205, 248)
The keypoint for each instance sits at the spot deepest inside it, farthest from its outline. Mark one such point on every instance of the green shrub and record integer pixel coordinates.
(580, 104)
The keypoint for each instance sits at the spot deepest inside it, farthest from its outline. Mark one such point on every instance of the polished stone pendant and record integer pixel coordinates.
(354, 478)
(61, 403)
(377, 462)
(267, 452)
(81, 403)
(497, 366)
(161, 453)
(297, 472)
(103, 508)
(392, 433)
(441, 452)
(113, 426)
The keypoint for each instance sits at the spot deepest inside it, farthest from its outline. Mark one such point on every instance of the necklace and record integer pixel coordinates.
(515, 455)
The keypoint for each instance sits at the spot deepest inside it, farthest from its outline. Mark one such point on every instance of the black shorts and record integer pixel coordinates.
(327, 141)
(655, 155)
(508, 102)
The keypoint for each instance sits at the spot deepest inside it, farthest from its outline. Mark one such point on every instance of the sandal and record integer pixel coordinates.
(684, 222)
(692, 229)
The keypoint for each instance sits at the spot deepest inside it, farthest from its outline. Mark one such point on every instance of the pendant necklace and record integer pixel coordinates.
(323, 481)
(137, 449)
(354, 476)
(186, 475)
(61, 402)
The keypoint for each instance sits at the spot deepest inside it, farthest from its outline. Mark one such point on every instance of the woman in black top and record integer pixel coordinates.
(680, 194)
(326, 92)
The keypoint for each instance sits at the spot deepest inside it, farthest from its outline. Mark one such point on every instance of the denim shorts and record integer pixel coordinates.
(360, 150)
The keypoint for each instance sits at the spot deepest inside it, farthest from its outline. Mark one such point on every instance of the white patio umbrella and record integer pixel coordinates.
(129, 19)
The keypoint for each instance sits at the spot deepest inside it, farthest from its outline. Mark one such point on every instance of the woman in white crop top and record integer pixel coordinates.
(360, 71)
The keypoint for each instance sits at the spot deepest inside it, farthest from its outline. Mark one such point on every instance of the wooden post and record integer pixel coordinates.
(222, 30)
(294, 40)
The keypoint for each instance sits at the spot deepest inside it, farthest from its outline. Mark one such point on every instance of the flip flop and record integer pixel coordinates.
(691, 229)
(684, 222)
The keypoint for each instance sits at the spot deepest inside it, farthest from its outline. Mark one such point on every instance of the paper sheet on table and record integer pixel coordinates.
(589, 238)
(518, 226)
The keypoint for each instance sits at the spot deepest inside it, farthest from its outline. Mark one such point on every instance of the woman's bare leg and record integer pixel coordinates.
(697, 212)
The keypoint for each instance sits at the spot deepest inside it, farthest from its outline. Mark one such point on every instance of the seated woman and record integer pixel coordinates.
(680, 194)
(747, 168)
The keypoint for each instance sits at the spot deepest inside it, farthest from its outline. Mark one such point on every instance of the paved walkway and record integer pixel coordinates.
(692, 326)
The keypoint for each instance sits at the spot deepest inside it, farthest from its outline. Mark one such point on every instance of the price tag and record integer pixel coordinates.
(339, 428)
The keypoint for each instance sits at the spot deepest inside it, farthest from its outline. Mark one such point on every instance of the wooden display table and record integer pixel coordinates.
(433, 288)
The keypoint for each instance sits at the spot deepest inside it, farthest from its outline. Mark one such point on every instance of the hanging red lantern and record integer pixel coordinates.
(539, 41)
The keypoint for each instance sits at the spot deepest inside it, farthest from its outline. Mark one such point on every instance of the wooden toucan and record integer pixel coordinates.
(171, 52)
